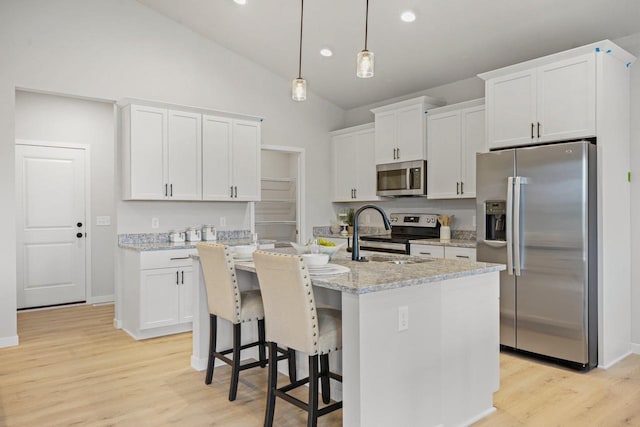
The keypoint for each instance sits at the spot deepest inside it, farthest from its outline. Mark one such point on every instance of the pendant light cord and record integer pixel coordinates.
(300, 53)
(366, 26)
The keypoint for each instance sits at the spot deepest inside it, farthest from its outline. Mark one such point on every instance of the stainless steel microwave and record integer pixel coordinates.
(402, 179)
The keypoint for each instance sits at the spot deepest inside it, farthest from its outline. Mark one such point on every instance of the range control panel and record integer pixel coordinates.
(414, 220)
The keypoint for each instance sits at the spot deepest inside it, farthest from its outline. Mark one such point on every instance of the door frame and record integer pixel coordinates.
(87, 202)
(300, 208)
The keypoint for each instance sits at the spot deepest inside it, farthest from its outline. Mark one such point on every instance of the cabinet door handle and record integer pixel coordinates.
(183, 275)
(461, 187)
(425, 253)
(231, 189)
(177, 278)
(462, 256)
(171, 190)
(394, 154)
(531, 130)
(235, 191)
(177, 258)
(538, 129)
(355, 193)
(398, 151)
(457, 188)
(166, 190)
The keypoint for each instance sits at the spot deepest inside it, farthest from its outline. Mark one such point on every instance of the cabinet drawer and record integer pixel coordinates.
(166, 258)
(427, 250)
(453, 252)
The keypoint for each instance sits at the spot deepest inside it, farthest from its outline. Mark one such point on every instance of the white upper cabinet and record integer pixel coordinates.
(550, 102)
(455, 134)
(172, 154)
(144, 152)
(245, 160)
(184, 156)
(161, 153)
(231, 159)
(400, 130)
(354, 168)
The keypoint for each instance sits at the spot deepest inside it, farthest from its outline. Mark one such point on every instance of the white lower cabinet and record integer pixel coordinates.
(447, 252)
(158, 294)
(427, 250)
(454, 252)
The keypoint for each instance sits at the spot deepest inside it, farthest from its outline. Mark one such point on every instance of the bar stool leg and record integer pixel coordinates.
(213, 328)
(293, 376)
(272, 385)
(324, 377)
(262, 344)
(312, 419)
(235, 369)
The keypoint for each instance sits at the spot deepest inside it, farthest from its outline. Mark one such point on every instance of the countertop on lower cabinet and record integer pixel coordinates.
(456, 243)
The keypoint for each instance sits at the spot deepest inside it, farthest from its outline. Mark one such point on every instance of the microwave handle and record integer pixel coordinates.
(408, 178)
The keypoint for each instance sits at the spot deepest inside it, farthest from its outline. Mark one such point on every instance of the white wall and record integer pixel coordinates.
(62, 119)
(632, 44)
(107, 49)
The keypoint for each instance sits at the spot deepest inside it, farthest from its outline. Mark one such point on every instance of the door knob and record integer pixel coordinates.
(79, 235)
(79, 224)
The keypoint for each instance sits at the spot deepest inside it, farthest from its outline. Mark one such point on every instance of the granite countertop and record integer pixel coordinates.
(163, 246)
(460, 243)
(366, 277)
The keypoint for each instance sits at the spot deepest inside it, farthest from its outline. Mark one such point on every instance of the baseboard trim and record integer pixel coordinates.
(610, 364)
(9, 341)
(198, 364)
(102, 299)
(480, 416)
(635, 348)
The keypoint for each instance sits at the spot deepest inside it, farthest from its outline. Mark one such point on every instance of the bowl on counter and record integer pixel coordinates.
(329, 250)
(243, 251)
(315, 260)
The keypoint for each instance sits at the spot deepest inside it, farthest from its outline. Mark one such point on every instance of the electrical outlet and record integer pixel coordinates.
(103, 220)
(223, 221)
(155, 222)
(403, 318)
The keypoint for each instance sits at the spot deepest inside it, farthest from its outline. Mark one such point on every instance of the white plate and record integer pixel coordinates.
(243, 257)
(328, 269)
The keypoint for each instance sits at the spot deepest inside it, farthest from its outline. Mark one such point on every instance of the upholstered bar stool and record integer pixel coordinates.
(294, 320)
(225, 300)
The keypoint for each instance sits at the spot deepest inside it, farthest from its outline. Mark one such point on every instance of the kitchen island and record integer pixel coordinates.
(436, 366)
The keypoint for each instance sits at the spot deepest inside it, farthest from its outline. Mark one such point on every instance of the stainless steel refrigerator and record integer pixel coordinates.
(537, 213)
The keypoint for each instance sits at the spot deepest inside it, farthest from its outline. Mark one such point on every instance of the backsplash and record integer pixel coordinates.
(325, 230)
(164, 237)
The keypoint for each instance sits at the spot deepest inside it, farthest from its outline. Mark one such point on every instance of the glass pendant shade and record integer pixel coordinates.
(299, 89)
(364, 66)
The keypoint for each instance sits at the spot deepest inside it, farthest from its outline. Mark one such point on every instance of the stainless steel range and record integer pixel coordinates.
(404, 228)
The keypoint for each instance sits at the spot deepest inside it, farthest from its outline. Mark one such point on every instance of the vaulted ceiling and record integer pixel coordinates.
(450, 40)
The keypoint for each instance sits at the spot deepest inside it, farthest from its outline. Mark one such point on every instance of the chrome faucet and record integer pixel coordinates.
(355, 254)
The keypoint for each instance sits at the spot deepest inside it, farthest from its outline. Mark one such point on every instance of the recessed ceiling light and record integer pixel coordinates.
(240, 1)
(326, 52)
(408, 16)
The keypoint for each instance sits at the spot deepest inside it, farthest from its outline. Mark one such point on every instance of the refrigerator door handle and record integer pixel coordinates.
(510, 226)
(516, 225)
(495, 243)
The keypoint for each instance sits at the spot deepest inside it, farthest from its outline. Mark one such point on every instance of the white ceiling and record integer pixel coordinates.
(450, 40)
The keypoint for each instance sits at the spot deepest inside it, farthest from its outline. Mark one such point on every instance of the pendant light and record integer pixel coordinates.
(364, 63)
(299, 85)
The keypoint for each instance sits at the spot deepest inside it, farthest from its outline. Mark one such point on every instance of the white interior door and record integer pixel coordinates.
(51, 223)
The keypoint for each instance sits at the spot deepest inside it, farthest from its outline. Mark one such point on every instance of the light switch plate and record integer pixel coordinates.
(403, 318)
(103, 220)
(155, 222)
(223, 221)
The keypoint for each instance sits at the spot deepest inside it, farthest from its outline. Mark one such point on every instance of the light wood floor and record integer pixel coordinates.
(73, 368)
